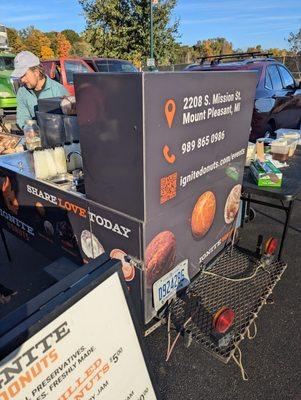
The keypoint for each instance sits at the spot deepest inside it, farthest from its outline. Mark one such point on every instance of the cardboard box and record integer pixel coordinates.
(266, 174)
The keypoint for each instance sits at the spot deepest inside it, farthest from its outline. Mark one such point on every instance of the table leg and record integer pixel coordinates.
(248, 206)
(243, 211)
(5, 244)
(288, 213)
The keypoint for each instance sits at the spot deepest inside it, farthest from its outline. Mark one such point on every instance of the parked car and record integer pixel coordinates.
(7, 92)
(277, 102)
(62, 70)
(109, 65)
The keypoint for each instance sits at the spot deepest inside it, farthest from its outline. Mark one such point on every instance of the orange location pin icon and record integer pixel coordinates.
(170, 110)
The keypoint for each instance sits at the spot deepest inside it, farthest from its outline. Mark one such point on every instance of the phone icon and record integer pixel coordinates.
(170, 158)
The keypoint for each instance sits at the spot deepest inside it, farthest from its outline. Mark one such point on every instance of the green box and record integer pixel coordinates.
(266, 174)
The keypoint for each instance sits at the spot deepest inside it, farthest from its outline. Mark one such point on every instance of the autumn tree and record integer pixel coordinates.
(212, 47)
(63, 45)
(121, 29)
(255, 49)
(34, 40)
(46, 52)
(15, 41)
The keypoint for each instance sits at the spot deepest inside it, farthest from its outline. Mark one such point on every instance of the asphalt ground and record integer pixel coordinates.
(272, 360)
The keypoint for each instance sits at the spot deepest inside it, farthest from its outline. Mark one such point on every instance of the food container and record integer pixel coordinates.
(251, 151)
(40, 164)
(9, 143)
(32, 135)
(71, 128)
(266, 174)
(288, 133)
(292, 147)
(52, 129)
(60, 160)
(280, 150)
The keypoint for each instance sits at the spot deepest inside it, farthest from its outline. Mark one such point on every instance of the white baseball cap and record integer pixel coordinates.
(23, 61)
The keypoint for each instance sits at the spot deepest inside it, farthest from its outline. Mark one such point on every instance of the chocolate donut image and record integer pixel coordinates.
(160, 255)
(127, 269)
(203, 214)
(232, 204)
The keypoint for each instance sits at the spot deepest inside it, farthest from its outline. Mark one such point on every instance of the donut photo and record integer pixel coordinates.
(9, 196)
(40, 209)
(160, 255)
(232, 204)
(48, 228)
(127, 269)
(203, 214)
(90, 244)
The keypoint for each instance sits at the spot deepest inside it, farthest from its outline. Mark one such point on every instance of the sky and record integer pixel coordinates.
(243, 22)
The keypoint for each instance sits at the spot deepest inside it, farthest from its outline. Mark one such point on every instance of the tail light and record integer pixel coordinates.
(223, 319)
(271, 246)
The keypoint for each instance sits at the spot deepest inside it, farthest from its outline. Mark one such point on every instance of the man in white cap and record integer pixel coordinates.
(35, 85)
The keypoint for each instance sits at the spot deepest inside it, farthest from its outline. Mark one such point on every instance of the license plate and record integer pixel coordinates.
(167, 286)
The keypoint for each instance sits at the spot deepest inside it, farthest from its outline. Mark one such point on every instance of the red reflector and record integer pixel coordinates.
(223, 319)
(271, 246)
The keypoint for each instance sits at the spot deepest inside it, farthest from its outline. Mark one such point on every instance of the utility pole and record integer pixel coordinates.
(151, 61)
(151, 30)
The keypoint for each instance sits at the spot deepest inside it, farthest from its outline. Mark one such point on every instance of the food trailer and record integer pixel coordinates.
(163, 157)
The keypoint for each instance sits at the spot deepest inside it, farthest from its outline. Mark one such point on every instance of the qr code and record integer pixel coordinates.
(168, 187)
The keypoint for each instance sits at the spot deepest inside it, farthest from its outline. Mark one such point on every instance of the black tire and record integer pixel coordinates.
(251, 216)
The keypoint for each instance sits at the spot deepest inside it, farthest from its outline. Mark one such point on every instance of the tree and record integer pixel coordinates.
(121, 28)
(15, 41)
(212, 47)
(35, 40)
(185, 54)
(46, 52)
(295, 42)
(71, 35)
(81, 49)
(63, 45)
(277, 52)
(52, 36)
(255, 49)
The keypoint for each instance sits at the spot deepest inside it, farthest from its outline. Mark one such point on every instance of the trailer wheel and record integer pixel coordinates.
(251, 215)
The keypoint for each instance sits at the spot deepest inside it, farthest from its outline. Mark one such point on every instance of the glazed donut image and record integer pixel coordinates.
(232, 204)
(203, 214)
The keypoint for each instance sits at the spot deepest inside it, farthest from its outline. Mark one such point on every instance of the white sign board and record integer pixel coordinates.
(150, 62)
(90, 352)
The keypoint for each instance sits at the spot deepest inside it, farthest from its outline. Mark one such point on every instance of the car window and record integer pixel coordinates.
(73, 66)
(6, 63)
(268, 81)
(57, 71)
(119, 66)
(47, 67)
(90, 63)
(102, 66)
(287, 78)
(275, 77)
